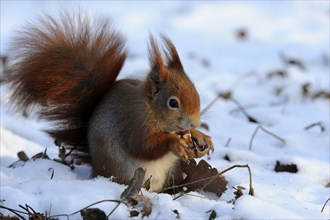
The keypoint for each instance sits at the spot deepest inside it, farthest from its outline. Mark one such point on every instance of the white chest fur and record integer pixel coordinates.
(159, 170)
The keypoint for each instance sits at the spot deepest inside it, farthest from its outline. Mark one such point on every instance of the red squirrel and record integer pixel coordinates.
(65, 69)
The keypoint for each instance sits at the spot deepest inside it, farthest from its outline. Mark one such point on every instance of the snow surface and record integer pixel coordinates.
(204, 34)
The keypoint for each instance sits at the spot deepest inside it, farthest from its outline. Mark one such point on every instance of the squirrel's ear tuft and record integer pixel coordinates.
(162, 61)
(156, 61)
(172, 56)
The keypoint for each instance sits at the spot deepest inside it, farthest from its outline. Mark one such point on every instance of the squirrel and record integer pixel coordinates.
(65, 69)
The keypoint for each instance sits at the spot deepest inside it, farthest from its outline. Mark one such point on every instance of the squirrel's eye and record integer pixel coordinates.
(173, 103)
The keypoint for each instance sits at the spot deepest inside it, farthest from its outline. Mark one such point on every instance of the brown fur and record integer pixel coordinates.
(65, 67)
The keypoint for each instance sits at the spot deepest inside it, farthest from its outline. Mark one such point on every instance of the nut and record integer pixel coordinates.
(195, 149)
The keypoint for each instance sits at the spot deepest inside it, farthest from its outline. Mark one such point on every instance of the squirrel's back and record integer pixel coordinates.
(64, 66)
(118, 119)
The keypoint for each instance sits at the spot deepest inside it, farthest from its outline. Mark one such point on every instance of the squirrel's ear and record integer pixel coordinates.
(159, 71)
(172, 57)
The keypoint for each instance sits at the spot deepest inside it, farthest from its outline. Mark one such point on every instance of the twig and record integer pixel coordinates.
(50, 209)
(114, 209)
(64, 162)
(187, 194)
(95, 203)
(22, 157)
(30, 211)
(27, 207)
(266, 131)
(180, 195)
(245, 107)
(228, 142)
(187, 184)
(243, 76)
(319, 124)
(15, 211)
(210, 105)
(251, 119)
(325, 204)
(51, 217)
(251, 190)
(52, 170)
(70, 152)
(60, 215)
(42, 155)
(13, 164)
(228, 96)
(212, 178)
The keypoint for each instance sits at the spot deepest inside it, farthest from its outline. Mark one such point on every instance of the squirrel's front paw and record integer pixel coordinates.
(180, 148)
(201, 144)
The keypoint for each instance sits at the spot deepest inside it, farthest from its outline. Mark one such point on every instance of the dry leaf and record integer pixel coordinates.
(134, 187)
(202, 173)
(239, 191)
(134, 213)
(93, 214)
(291, 168)
(2, 217)
(205, 126)
(277, 73)
(131, 196)
(225, 95)
(213, 215)
(147, 209)
(22, 156)
(305, 88)
(177, 214)
(241, 34)
(226, 157)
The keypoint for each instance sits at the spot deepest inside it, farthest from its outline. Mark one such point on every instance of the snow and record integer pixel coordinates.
(201, 31)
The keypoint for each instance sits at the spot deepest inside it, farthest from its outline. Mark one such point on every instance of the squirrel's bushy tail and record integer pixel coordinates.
(63, 66)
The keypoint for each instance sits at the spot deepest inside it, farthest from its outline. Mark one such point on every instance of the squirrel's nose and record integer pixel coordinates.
(195, 121)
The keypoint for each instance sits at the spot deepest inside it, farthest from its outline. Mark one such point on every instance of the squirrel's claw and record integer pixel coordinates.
(181, 150)
(202, 142)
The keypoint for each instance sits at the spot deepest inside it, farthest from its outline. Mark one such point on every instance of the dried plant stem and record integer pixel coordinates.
(114, 209)
(95, 203)
(250, 119)
(212, 178)
(187, 194)
(55, 216)
(190, 183)
(210, 105)
(233, 87)
(70, 152)
(240, 107)
(251, 190)
(27, 208)
(228, 142)
(13, 164)
(266, 131)
(319, 124)
(53, 171)
(229, 97)
(249, 106)
(30, 211)
(15, 212)
(242, 77)
(325, 204)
